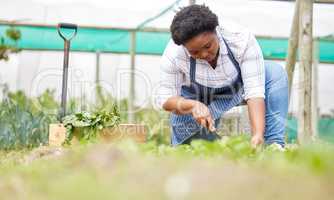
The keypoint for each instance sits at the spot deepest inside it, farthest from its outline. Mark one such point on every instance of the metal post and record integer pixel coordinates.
(97, 74)
(99, 97)
(305, 90)
(131, 97)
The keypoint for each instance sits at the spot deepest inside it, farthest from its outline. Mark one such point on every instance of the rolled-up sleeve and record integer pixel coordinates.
(252, 70)
(170, 81)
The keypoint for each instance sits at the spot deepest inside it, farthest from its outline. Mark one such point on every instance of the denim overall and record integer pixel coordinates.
(219, 100)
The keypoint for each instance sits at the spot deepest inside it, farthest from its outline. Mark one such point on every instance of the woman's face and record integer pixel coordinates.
(203, 46)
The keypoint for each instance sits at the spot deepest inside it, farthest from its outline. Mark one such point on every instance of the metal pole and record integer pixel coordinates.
(97, 74)
(305, 91)
(131, 97)
(99, 96)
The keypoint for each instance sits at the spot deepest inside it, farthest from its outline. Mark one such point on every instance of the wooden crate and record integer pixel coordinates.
(135, 132)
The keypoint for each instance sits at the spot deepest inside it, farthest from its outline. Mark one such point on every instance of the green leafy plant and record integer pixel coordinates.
(13, 35)
(22, 124)
(90, 123)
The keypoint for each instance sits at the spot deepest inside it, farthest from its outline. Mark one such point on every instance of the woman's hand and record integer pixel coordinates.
(202, 115)
(257, 140)
(199, 111)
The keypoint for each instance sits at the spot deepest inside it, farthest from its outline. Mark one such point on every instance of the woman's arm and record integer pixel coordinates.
(256, 112)
(179, 105)
(253, 75)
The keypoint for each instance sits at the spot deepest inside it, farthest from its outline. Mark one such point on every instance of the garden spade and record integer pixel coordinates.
(57, 132)
(67, 45)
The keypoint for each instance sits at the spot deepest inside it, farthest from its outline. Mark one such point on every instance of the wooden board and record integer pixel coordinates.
(135, 132)
(57, 134)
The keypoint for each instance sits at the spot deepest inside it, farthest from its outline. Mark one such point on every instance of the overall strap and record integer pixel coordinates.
(232, 58)
(192, 69)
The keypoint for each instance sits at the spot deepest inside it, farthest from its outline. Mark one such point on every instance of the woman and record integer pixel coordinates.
(207, 69)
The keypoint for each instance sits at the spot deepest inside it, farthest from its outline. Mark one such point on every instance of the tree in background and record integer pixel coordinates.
(8, 43)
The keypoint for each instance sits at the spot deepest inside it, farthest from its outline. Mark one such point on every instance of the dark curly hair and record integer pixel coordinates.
(191, 21)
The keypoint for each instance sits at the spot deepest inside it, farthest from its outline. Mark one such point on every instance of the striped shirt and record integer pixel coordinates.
(175, 66)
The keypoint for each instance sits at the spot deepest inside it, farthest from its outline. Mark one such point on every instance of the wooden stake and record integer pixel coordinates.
(315, 109)
(305, 90)
(293, 45)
